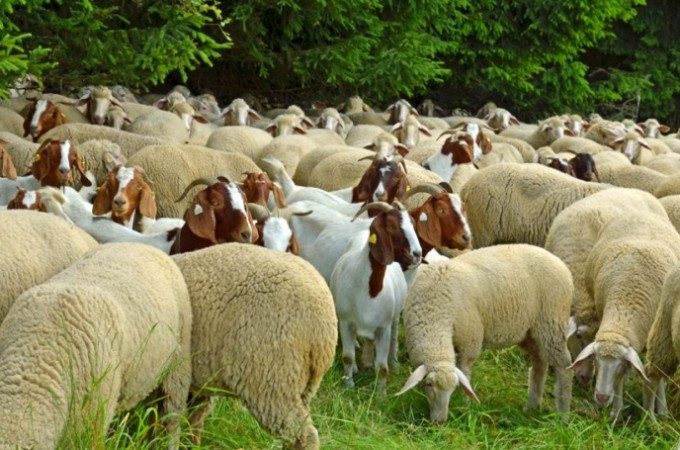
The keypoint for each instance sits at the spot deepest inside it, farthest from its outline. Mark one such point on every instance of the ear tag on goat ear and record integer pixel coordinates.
(372, 239)
(423, 217)
(198, 209)
(37, 157)
(408, 188)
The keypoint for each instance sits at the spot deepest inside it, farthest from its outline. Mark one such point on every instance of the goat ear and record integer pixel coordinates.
(80, 167)
(484, 143)
(8, 169)
(200, 217)
(102, 201)
(379, 242)
(256, 234)
(41, 165)
(279, 196)
(294, 246)
(427, 225)
(147, 202)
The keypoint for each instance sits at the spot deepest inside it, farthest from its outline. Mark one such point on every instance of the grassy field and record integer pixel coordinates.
(359, 418)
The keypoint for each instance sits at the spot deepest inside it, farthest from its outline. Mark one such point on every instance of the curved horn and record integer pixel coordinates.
(447, 187)
(365, 158)
(426, 188)
(258, 211)
(287, 213)
(223, 179)
(208, 181)
(382, 206)
(445, 132)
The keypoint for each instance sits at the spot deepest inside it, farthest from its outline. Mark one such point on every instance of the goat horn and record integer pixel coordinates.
(208, 181)
(365, 158)
(445, 132)
(382, 206)
(223, 179)
(258, 211)
(287, 213)
(426, 188)
(447, 187)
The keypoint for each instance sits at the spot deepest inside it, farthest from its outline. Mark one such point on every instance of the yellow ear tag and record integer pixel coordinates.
(37, 157)
(373, 238)
(408, 188)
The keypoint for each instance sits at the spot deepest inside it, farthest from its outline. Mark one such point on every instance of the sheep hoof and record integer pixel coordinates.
(349, 381)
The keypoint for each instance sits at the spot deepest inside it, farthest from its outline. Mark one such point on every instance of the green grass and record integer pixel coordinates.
(359, 418)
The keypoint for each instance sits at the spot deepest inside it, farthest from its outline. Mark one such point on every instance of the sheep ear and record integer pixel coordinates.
(254, 116)
(200, 217)
(416, 377)
(271, 129)
(300, 130)
(587, 352)
(428, 227)
(401, 149)
(464, 382)
(147, 202)
(426, 131)
(633, 358)
(199, 118)
(664, 128)
(644, 144)
(396, 126)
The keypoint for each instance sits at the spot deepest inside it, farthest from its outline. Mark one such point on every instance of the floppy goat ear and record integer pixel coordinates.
(379, 242)
(102, 201)
(428, 226)
(200, 217)
(147, 202)
(7, 166)
(41, 164)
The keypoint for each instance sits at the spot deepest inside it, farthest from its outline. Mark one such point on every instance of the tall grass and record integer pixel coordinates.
(360, 418)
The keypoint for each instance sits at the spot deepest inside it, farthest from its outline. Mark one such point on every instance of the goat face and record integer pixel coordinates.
(123, 192)
(258, 186)
(54, 161)
(384, 180)
(440, 222)
(41, 117)
(458, 149)
(393, 239)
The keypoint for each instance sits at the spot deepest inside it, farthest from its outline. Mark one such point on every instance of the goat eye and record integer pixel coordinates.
(214, 203)
(440, 211)
(139, 186)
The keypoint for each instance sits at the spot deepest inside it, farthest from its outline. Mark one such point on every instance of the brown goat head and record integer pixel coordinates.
(54, 161)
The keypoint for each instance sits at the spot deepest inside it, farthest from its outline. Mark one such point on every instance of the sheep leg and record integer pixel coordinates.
(649, 393)
(348, 352)
(201, 406)
(367, 353)
(176, 387)
(537, 373)
(382, 350)
(661, 406)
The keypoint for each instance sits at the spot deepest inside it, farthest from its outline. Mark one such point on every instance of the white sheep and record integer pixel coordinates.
(256, 291)
(160, 124)
(363, 135)
(632, 176)
(310, 159)
(92, 341)
(494, 297)
(248, 141)
(238, 112)
(548, 130)
(288, 149)
(625, 271)
(515, 203)
(668, 164)
(11, 121)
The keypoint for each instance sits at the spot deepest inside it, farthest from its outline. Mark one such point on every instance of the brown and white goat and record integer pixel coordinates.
(54, 161)
(218, 214)
(25, 199)
(258, 186)
(126, 195)
(42, 115)
(274, 232)
(456, 150)
(383, 181)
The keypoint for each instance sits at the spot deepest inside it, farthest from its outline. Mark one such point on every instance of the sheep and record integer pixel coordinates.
(652, 128)
(98, 100)
(671, 203)
(578, 145)
(369, 118)
(486, 109)
(369, 288)
(34, 248)
(670, 186)
(217, 214)
(322, 137)
(354, 104)
(625, 271)
(362, 135)
(527, 151)
(99, 157)
(663, 345)
(93, 341)
(499, 119)
(571, 237)
(515, 203)
(287, 149)
(428, 108)
(611, 158)
(79, 133)
(575, 123)
(123, 94)
(309, 160)
(668, 164)
(238, 112)
(286, 124)
(632, 176)
(331, 119)
(117, 118)
(501, 153)
(494, 297)
(291, 297)
(408, 131)
(604, 132)
(11, 121)
(547, 131)
(173, 167)
(160, 124)
(248, 141)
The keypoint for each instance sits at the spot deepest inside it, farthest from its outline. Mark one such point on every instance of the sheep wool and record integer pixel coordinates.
(248, 141)
(280, 333)
(93, 341)
(494, 297)
(515, 203)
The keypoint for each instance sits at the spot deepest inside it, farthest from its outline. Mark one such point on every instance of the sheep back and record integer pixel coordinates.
(248, 141)
(288, 149)
(663, 342)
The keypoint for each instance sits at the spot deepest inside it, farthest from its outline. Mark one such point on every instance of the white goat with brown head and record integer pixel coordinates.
(126, 195)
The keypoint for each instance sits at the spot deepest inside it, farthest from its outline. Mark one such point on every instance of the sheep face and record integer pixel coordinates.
(384, 180)
(400, 110)
(408, 131)
(500, 119)
(458, 149)
(553, 129)
(53, 162)
(631, 145)
(98, 101)
(125, 192)
(330, 120)
(258, 186)
(41, 117)
(239, 113)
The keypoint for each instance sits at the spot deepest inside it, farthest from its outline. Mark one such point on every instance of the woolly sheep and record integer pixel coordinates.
(284, 293)
(248, 141)
(671, 204)
(369, 118)
(323, 137)
(548, 130)
(610, 158)
(354, 104)
(35, 247)
(77, 133)
(501, 153)
(332, 120)
(11, 121)
(573, 234)
(488, 298)
(578, 145)
(663, 344)
(625, 271)
(632, 176)
(528, 152)
(312, 158)
(172, 168)
(239, 113)
(20, 150)
(287, 149)
(513, 203)
(668, 164)
(363, 135)
(670, 186)
(95, 340)
(160, 124)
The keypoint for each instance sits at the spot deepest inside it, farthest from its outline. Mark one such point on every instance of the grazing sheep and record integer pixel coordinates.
(248, 141)
(663, 344)
(494, 297)
(92, 341)
(34, 248)
(625, 271)
(274, 378)
(515, 203)
(573, 234)
(173, 167)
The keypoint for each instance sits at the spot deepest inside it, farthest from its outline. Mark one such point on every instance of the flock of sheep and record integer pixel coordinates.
(478, 232)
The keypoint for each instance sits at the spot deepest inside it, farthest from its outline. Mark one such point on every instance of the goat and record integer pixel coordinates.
(126, 195)
(274, 231)
(218, 214)
(369, 287)
(42, 115)
(457, 149)
(481, 143)
(257, 188)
